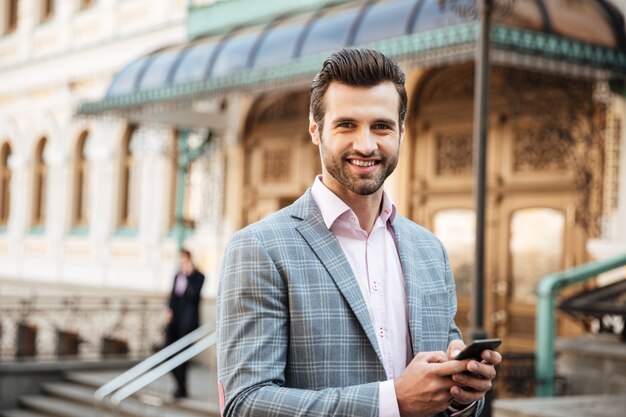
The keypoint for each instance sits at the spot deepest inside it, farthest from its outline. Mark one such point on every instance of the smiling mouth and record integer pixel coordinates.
(360, 163)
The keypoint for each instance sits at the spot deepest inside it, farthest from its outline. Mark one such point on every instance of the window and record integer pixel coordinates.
(80, 205)
(85, 4)
(531, 257)
(457, 230)
(128, 199)
(11, 15)
(193, 203)
(47, 9)
(40, 176)
(5, 184)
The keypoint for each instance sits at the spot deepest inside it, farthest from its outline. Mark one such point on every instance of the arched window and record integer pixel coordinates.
(536, 248)
(5, 184)
(80, 206)
(192, 207)
(40, 177)
(127, 218)
(47, 9)
(11, 15)
(457, 230)
(85, 4)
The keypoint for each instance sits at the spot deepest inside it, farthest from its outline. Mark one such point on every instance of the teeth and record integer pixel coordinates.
(363, 163)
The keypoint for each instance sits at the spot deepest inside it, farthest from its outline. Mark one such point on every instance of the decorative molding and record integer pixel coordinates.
(534, 151)
(276, 165)
(286, 107)
(453, 154)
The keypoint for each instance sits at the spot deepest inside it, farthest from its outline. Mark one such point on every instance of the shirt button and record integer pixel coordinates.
(381, 332)
(375, 286)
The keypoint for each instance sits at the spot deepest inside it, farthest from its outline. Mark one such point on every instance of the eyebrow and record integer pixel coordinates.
(385, 120)
(391, 122)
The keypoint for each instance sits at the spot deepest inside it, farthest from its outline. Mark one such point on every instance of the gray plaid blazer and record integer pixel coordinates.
(294, 334)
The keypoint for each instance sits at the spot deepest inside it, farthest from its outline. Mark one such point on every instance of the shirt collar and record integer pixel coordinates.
(332, 207)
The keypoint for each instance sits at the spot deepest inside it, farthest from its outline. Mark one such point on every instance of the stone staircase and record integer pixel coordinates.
(73, 397)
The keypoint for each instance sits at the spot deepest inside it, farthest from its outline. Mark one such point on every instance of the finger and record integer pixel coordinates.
(492, 357)
(462, 396)
(454, 348)
(472, 382)
(450, 368)
(483, 370)
(433, 357)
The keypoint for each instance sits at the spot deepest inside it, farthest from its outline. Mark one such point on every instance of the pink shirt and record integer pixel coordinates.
(181, 284)
(375, 261)
(376, 265)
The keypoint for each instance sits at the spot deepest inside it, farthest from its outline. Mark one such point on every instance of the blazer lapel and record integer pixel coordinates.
(327, 248)
(412, 279)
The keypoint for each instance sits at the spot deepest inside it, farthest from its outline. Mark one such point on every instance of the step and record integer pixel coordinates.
(204, 408)
(574, 406)
(131, 406)
(21, 413)
(56, 407)
(93, 379)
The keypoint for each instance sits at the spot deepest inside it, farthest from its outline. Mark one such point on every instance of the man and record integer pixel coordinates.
(183, 314)
(337, 305)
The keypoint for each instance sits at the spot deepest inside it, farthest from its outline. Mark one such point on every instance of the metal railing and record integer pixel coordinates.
(549, 288)
(155, 366)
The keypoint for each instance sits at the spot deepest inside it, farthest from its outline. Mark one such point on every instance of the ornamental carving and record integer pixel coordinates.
(454, 154)
(276, 165)
(285, 107)
(455, 82)
(536, 151)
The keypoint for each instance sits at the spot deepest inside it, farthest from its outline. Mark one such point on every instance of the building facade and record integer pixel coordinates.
(90, 146)
(82, 200)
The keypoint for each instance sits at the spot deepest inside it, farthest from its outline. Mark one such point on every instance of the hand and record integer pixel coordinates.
(424, 387)
(472, 385)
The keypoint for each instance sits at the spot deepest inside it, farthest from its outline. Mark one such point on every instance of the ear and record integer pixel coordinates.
(314, 130)
(402, 132)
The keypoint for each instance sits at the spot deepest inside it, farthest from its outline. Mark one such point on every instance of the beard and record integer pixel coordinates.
(361, 184)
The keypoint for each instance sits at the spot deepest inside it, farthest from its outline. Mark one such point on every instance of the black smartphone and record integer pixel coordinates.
(474, 349)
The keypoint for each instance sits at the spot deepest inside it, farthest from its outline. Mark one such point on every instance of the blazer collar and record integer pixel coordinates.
(327, 248)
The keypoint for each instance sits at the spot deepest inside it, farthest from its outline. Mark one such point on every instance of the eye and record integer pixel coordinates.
(381, 126)
(346, 125)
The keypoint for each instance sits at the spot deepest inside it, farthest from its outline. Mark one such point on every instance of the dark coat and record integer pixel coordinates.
(185, 308)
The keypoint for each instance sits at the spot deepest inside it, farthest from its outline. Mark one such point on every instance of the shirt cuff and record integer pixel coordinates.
(465, 412)
(388, 402)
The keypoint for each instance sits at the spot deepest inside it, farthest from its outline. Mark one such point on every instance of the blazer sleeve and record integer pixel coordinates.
(253, 342)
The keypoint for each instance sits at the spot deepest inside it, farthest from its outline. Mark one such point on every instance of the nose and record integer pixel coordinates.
(364, 142)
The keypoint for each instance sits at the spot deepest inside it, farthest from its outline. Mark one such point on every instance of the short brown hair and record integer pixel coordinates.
(358, 68)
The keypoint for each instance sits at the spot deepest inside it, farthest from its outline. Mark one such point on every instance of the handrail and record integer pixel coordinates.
(163, 369)
(549, 288)
(150, 362)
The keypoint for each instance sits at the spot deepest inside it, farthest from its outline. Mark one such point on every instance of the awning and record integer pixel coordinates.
(579, 38)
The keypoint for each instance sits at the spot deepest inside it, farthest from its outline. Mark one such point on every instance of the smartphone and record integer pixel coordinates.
(474, 349)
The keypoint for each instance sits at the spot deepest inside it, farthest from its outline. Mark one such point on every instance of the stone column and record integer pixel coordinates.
(151, 148)
(102, 150)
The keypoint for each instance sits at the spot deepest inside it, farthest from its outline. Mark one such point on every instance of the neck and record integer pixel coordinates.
(366, 207)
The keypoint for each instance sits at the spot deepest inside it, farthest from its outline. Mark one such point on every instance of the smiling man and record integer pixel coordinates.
(337, 305)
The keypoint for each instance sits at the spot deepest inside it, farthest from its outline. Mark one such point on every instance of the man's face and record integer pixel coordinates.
(360, 140)
(186, 266)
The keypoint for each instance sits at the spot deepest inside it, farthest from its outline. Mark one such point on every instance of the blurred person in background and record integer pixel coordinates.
(183, 314)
